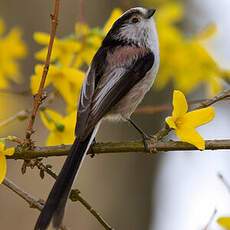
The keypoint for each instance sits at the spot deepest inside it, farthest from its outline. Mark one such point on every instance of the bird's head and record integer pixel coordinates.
(135, 26)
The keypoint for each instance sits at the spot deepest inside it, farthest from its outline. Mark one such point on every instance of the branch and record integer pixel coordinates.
(32, 201)
(224, 95)
(224, 181)
(210, 219)
(39, 96)
(21, 115)
(118, 147)
(75, 194)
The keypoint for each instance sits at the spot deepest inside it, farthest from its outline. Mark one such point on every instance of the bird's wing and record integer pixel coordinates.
(121, 74)
(88, 88)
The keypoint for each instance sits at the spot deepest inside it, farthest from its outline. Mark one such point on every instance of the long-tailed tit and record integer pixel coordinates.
(121, 72)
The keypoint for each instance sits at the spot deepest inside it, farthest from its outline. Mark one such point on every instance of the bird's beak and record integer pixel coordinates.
(150, 13)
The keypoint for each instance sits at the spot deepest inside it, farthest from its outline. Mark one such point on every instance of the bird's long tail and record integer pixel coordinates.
(55, 204)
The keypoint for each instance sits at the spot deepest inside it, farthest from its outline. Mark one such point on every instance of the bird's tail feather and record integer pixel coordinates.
(55, 204)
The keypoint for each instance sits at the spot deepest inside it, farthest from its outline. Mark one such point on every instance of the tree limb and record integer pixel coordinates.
(75, 194)
(116, 147)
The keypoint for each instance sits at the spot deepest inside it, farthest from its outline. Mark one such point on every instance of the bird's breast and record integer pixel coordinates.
(128, 104)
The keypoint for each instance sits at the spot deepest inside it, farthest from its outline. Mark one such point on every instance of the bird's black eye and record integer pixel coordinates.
(135, 20)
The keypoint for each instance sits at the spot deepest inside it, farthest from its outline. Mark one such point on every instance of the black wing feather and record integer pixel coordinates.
(95, 73)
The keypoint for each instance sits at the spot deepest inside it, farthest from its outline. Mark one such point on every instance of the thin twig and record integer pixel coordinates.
(81, 7)
(166, 107)
(225, 182)
(21, 115)
(32, 201)
(17, 92)
(224, 95)
(75, 195)
(24, 114)
(210, 219)
(39, 96)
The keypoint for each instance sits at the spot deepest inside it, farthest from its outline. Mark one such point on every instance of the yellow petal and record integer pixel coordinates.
(2, 167)
(50, 118)
(41, 38)
(9, 151)
(75, 76)
(180, 106)
(116, 13)
(199, 117)
(224, 222)
(81, 29)
(64, 88)
(170, 122)
(2, 147)
(54, 138)
(191, 136)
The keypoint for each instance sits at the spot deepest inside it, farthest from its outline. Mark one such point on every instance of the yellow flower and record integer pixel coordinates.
(91, 38)
(66, 80)
(185, 60)
(12, 50)
(224, 222)
(185, 122)
(3, 153)
(61, 127)
(63, 49)
(78, 49)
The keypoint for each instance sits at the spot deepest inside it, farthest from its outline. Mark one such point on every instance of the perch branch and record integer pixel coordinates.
(131, 146)
(118, 147)
(38, 98)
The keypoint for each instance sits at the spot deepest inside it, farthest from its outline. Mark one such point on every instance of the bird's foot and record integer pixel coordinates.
(150, 142)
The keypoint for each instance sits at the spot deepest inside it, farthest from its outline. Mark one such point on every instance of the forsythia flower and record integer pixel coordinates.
(12, 49)
(63, 49)
(61, 128)
(3, 153)
(185, 122)
(224, 222)
(92, 38)
(69, 54)
(185, 61)
(66, 80)
(77, 49)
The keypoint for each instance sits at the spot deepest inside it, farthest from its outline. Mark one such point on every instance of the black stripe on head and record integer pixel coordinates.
(124, 19)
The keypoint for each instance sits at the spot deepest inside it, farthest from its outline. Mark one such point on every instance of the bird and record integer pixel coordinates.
(120, 74)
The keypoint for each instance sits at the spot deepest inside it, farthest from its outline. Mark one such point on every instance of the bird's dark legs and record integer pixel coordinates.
(145, 137)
